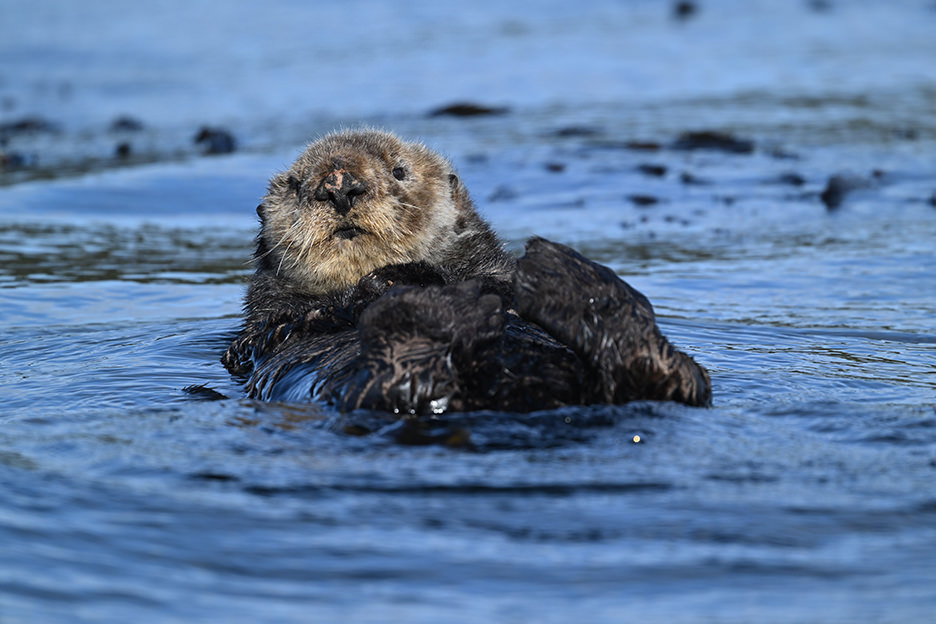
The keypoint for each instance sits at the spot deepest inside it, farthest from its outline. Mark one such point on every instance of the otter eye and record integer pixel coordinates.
(399, 173)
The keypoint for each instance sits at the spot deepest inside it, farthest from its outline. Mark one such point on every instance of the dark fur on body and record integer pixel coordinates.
(428, 313)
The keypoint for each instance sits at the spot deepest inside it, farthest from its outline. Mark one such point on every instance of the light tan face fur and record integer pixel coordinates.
(401, 220)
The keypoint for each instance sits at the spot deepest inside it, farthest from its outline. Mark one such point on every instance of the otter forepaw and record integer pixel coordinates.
(381, 280)
(418, 346)
(237, 358)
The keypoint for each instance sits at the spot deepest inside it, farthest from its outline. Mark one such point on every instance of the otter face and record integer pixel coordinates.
(352, 203)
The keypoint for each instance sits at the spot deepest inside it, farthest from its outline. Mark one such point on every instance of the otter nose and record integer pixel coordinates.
(340, 188)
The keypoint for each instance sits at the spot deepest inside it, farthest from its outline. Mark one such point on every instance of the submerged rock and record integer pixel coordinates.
(691, 179)
(467, 109)
(840, 185)
(125, 123)
(643, 200)
(14, 161)
(791, 178)
(502, 193)
(657, 171)
(715, 141)
(215, 140)
(820, 6)
(684, 10)
(123, 150)
(576, 131)
(643, 146)
(27, 125)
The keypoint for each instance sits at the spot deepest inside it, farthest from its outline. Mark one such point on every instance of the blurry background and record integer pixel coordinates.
(278, 72)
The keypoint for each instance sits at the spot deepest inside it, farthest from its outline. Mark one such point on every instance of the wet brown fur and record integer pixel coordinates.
(402, 298)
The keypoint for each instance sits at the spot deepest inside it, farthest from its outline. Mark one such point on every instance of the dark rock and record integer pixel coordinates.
(839, 186)
(13, 161)
(820, 6)
(215, 140)
(714, 141)
(652, 170)
(792, 179)
(689, 179)
(643, 200)
(643, 146)
(467, 109)
(636, 146)
(782, 154)
(576, 131)
(213, 476)
(27, 125)
(125, 123)
(684, 10)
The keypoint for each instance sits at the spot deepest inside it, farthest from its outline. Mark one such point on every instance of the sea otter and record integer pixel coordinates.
(378, 286)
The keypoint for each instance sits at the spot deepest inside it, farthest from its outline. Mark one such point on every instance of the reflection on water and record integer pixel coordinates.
(44, 253)
(804, 494)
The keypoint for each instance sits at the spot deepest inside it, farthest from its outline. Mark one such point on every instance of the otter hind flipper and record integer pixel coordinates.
(610, 325)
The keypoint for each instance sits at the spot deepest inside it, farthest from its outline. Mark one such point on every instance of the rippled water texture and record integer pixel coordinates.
(804, 495)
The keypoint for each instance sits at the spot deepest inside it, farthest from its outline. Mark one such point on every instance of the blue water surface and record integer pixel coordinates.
(805, 494)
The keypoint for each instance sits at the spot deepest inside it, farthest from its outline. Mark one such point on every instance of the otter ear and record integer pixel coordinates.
(459, 191)
(261, 212)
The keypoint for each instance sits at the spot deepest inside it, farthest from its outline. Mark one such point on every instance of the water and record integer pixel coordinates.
(804, 495)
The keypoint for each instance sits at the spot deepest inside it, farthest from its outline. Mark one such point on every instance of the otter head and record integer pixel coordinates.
(353, 202)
